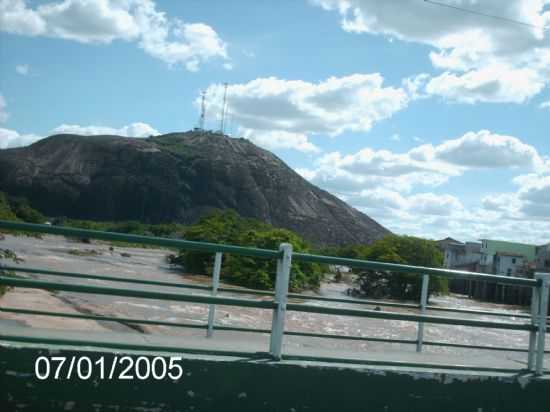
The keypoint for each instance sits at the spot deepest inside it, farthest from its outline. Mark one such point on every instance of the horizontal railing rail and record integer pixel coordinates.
(134, 293)
(144, 240)
(246, 291)
(278, 301)
(260, 304)
(125, 320)
(419, 270)
(261, 253)
(107, 278)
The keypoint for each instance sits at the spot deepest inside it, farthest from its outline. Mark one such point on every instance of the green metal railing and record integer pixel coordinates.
(536, 326)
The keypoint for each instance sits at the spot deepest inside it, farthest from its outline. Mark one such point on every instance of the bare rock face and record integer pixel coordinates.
(176, 177)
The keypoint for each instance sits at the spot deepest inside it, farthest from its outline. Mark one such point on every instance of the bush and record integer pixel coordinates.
(7, 254)
(407, 250)
(18, 208)
(229, 228)
(6, 213)
(25, 212)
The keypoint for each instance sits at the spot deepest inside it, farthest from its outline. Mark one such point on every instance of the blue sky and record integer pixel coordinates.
(432, 121)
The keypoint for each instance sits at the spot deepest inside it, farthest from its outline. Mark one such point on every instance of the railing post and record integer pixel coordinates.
(281, 292)
(215, 285)
(535, 295)
(543, 313)
(423, 303)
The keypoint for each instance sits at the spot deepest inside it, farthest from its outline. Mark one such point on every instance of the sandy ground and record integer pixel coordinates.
(55, 253)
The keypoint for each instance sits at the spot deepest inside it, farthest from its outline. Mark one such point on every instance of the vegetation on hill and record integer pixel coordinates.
(18, 209)
(229, 228)
(407, 250)
(23, 210)
(5, 209)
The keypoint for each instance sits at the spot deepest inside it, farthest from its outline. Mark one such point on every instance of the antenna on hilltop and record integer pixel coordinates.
(229, 122)
(203, 110)
(224, 106)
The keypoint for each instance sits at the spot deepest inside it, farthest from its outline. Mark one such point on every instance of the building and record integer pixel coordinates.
(495, 257)
(459, 255)
(506, 252)
(543, 258)
(510, 264)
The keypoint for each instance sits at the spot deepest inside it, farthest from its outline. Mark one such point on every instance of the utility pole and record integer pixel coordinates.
(223, 107)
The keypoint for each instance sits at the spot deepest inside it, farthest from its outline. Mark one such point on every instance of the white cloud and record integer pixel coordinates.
(481, 149)
(416, 85)
(435, 215)
(471, 224)
(483, 59)
(3, 113)
(16, 18)
(11, 138)
(99, 21)
(287, 108)
(424, 165)
(278, 139)
(192, 44)
(390, 187)
(22, 69)
(132, 130)
(370, 162)
(430, 204)
(534, 195)
(104, 21)
(545, 105)
(529, 203)
(494, 84)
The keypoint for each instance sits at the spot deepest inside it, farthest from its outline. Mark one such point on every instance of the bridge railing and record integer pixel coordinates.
(536, 326)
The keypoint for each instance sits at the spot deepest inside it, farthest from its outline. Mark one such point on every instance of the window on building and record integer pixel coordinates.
(509, 272)
(514, 261)
(547, 263)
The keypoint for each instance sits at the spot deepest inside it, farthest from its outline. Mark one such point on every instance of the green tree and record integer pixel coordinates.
(24, 211)
(228, 227)
(406, 250)
(6, 213)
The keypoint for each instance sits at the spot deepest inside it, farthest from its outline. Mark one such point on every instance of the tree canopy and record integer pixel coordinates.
(18, 208)
(407, 250)
(229, 228)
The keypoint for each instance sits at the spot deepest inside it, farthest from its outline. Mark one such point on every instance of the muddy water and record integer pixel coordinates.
(57, 253)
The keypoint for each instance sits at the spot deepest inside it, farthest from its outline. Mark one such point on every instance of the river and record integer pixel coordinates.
(58, 253)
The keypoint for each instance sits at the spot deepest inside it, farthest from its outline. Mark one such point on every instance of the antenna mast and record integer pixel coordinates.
(223, 107)
(229, 122)
(203, 110)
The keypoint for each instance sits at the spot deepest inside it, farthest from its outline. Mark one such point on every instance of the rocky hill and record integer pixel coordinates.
(176, 177)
